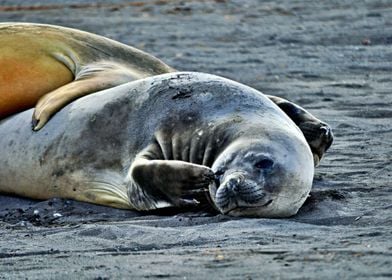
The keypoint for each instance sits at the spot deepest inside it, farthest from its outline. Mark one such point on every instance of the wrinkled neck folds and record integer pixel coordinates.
(200, 144)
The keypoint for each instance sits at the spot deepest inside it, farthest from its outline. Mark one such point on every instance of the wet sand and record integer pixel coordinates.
(333, 58)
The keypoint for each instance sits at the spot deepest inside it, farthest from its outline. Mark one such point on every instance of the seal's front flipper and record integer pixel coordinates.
(318, 134)
(92, 78)
(175, 180)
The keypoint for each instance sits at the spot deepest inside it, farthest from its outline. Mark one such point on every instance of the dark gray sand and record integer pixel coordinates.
(333, 57)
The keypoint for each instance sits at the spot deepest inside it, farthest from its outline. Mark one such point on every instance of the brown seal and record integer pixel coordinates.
(49, 66)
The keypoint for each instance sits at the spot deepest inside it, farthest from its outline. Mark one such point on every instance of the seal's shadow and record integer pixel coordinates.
(320, 208)
(21, 212)
(324, 207)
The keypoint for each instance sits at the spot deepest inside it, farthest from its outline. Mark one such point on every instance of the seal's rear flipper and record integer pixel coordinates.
(92, 78)
(318, 134)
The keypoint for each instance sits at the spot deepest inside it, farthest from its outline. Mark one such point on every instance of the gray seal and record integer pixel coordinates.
(159, 141)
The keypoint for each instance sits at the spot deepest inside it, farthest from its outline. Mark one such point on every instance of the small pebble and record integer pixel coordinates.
(366, 42)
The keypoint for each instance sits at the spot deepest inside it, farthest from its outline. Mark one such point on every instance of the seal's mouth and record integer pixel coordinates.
(245, 208)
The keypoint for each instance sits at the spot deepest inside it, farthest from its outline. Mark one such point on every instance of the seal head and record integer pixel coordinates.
(261, 178)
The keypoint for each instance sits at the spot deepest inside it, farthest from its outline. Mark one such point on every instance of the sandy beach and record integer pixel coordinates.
(332, 57)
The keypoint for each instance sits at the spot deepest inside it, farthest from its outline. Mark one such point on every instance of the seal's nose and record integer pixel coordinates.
(228, 192)
(232, 185)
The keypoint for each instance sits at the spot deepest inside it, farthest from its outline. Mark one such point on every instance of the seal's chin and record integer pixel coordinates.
(245, 209)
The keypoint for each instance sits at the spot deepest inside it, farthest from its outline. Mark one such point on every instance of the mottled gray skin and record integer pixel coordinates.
(153, 143)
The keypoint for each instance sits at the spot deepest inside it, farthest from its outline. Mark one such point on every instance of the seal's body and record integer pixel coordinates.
(56, 65)
(152, 143)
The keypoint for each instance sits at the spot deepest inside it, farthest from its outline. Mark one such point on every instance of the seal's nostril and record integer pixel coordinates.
(233, 185)
(232, 182)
